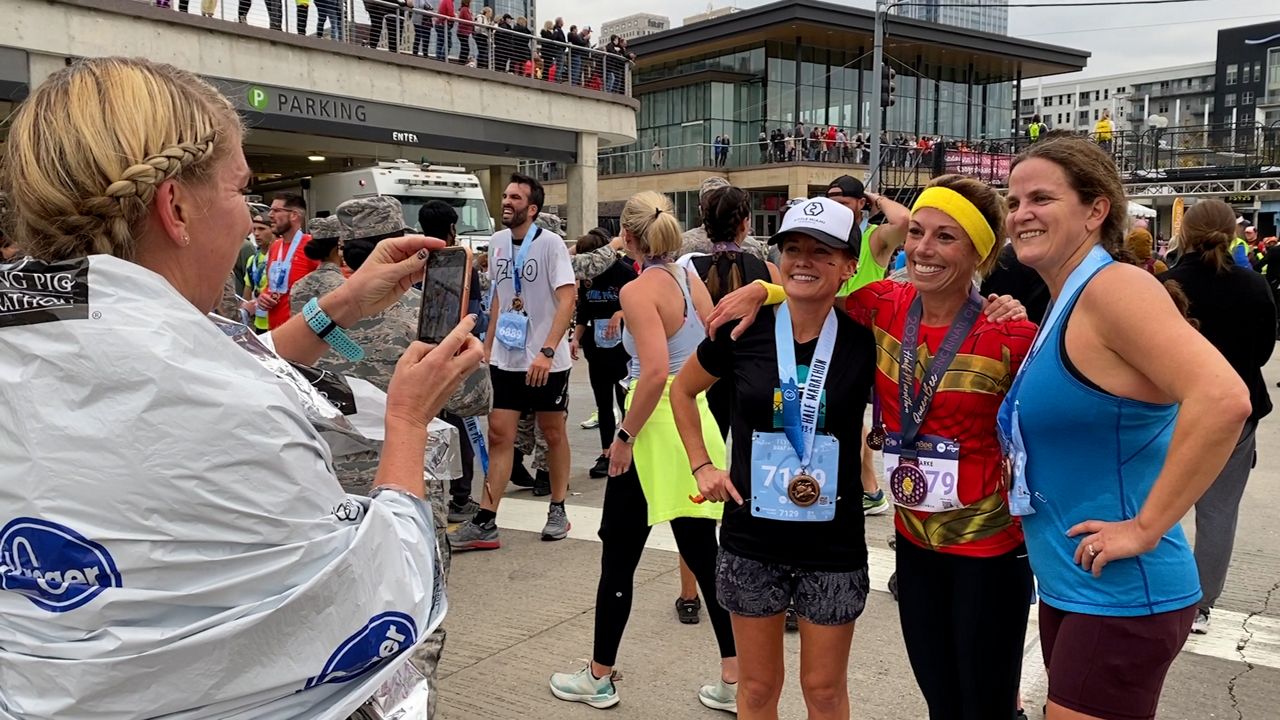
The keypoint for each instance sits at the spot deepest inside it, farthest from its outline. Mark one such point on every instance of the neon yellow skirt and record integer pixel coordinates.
(663, 466)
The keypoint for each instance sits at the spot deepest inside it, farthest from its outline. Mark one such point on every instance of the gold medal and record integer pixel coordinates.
(517, 304)
(803, 490)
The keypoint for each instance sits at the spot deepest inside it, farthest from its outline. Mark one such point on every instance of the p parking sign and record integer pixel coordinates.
(258, 98)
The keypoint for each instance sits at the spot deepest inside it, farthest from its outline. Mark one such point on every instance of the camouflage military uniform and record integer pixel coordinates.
(589, 265)
(384, 337)
(229, 304)
(696, 241)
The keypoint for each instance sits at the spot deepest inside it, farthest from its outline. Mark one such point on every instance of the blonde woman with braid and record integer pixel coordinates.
(169, 519)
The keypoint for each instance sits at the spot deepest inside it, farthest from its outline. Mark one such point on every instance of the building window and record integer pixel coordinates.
(1257, 72)
(1230, 100)
(1162, 107)
(1233, 72)
(1246, 98)
(1106, 94)
(1120, 90)
(1097, 94)
(1164, 85)
(1084, 118)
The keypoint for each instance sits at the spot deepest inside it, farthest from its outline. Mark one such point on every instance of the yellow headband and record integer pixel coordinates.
(962, 211)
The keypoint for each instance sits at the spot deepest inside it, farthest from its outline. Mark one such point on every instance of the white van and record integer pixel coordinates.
(413, 185)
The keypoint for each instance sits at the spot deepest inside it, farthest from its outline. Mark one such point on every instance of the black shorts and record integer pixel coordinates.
(751, 588)
(511, 392)
(1111, 667)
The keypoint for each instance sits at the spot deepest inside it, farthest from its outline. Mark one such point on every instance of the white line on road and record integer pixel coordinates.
(1223, 641)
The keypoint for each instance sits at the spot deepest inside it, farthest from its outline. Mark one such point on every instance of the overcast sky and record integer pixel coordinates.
(1122, 39)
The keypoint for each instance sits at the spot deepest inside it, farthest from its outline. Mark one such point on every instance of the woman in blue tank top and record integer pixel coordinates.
(1110, 440)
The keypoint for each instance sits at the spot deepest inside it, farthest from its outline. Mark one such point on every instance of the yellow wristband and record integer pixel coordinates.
(775, 293)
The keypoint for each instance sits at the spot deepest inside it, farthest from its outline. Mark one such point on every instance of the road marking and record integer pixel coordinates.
(1225, 635)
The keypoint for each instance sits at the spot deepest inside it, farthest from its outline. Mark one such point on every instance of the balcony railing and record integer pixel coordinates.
(399, 27)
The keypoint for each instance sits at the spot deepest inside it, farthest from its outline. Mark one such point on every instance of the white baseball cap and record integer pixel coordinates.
(826, 221)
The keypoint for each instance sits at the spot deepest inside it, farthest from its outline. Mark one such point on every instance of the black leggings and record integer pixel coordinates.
(955, 609)
(624, 527)
(606, 367)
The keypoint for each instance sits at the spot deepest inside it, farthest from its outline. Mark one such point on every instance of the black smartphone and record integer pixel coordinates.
(446, 293)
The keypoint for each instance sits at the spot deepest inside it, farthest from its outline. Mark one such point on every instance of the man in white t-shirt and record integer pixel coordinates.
(533, 297)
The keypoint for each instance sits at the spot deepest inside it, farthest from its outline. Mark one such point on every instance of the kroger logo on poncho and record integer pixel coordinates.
(56, 567)
(384, 636)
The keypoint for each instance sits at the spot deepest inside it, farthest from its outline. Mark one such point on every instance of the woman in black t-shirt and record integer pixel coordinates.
(599, 335)
(792, 531)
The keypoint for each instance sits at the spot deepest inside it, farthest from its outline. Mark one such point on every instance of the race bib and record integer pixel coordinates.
(782, 490)
(939, 460)
(602, 327)
(513, 327)
(278, 277)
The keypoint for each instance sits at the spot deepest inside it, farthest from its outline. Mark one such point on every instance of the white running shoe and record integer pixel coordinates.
(720, 696)
(584, 688)
(591, 422)
(1200, 625)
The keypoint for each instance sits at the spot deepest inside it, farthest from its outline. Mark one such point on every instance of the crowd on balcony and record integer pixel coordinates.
(451, 31)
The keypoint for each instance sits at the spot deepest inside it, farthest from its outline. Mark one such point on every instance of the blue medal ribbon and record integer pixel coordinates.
(1008, 423)
(523, 256)
(801, 405)
(477, 442)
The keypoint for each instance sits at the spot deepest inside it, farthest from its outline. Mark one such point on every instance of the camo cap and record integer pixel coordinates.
(377, 216)
(325, 227)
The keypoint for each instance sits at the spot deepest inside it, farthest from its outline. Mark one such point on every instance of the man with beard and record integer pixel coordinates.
(533, 300)
(286, 263)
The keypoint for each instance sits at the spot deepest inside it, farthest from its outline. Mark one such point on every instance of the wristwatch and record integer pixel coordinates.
(548, 351)
(626, 437)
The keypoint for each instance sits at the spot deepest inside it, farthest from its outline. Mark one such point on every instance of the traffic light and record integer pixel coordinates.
(887, 87)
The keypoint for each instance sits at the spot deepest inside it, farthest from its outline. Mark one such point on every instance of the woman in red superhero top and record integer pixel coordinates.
(964, 584)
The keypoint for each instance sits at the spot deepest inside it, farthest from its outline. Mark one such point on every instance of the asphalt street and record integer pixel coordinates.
(520, 613)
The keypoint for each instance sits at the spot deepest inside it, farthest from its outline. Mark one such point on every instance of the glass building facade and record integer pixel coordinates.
(775, 85)
(514, 8)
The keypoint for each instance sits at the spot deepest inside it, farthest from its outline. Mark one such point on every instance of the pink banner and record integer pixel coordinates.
(988, 167)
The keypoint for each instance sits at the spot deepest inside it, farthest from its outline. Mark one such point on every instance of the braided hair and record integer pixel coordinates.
(88, 149)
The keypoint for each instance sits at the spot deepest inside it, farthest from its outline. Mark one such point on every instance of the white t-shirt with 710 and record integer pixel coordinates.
(546, 268)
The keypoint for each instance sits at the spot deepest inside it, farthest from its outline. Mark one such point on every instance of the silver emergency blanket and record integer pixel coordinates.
(173, 542)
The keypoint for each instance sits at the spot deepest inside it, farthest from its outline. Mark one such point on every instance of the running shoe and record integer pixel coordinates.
(876, 504)
(470, 536)
(1200, 625)
(600, 469)
(463, 512)
(542, 484)
(687, 610)
(592, 422)
(720, 696)
(557, 527)
(584, 687)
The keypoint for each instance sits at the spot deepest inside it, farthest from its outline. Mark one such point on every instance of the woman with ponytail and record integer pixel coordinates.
(650, 480)
(1234, 310)
(1118, 422)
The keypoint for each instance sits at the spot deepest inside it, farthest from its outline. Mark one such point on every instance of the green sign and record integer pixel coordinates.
(258, 98)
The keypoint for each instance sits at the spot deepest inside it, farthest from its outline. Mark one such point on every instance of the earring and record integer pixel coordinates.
(186, 240)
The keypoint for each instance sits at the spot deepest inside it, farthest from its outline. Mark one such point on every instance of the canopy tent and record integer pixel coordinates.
(1140, 211)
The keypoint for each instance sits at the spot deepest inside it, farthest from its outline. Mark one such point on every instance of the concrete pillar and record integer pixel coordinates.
(583, 188)
(493, 182)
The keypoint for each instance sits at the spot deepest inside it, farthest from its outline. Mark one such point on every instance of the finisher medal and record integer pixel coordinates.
(908, 484)
(803, 490)
(876, 438)
(517, 304)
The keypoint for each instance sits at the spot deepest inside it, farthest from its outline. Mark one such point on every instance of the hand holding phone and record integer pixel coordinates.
(446, 293)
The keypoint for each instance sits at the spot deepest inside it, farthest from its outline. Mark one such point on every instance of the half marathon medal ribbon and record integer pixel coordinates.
(800, 405)
(477, 442)
(908, 483)
(522, 256)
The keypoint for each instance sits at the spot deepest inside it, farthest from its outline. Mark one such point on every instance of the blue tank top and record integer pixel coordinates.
(1094, 456)
(686, 340)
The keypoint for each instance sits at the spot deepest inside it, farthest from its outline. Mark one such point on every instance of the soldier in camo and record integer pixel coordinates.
(696, 240)
(359, 225)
